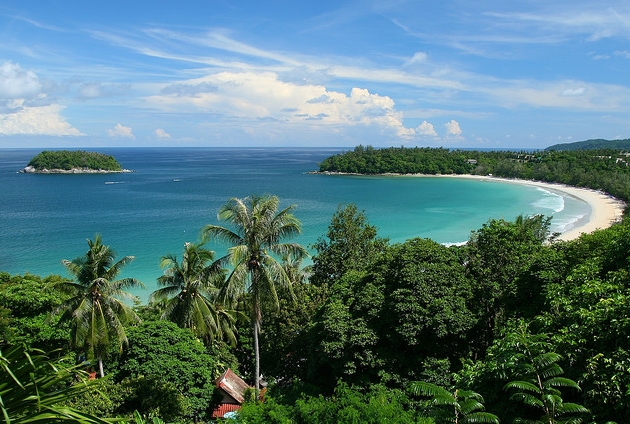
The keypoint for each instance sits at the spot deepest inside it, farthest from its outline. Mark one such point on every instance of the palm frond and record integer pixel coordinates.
(523, 385)
(427, 389)
(528, 399)
(561, 382)
(482, 417)
(572, 408)
(469, 405)
(34, 388)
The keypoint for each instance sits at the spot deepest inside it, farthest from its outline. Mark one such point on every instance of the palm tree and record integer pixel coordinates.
(256, 243)
(99, 307)
(189, 292)
(297, 273)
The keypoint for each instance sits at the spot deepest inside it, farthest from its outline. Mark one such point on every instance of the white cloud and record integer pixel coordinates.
(43, 120)
(121, 131)
(573, 91)
(24, 106)
(160, 133)
(453, 129)
(426, 128)
(264, 97)
(418, 57)
(18, 83)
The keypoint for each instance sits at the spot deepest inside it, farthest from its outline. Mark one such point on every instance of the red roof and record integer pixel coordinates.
(224, 408)
(232, 385)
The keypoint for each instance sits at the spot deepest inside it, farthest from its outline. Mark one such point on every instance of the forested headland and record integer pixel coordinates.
(514, 325)
(72, 161)
(605, 169)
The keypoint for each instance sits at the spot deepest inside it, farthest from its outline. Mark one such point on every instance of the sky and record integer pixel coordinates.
(455, 74)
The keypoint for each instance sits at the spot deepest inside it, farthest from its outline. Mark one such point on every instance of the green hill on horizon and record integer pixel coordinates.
(593, 144)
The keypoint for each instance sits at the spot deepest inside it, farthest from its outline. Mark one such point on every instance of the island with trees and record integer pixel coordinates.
(513, 326)
(72, 162)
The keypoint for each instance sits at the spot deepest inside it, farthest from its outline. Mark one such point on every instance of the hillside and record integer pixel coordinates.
(593, 144)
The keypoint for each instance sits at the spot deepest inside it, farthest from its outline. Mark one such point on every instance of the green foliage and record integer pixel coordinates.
(501, 255)
(285, 336)
(105, 400)
(344, 338)
(25, 305)
(164, 362)
(351, 243)
(398, 160)
(30, 295)
(33, 389)
(425, 308)
(540, 381)
(65, 159)
(346, 406)
(138, 419)
(459, 407)
(414, 295)
(587, 319)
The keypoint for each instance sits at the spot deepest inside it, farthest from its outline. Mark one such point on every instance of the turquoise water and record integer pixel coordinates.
(174, 192)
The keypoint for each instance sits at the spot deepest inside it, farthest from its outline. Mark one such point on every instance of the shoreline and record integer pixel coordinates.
(605, 209)
(32, 170)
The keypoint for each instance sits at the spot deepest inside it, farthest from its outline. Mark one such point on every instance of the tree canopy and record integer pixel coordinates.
(74, 159)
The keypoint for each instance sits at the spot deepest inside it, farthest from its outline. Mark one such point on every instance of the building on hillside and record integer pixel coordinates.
(233, 388)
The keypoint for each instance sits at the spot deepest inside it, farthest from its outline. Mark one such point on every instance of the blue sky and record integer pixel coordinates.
(504, 74)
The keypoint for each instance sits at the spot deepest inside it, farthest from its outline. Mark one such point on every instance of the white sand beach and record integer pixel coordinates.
(605, 210)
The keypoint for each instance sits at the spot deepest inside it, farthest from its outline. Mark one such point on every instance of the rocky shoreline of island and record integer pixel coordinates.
(72, 162)
(33, 170)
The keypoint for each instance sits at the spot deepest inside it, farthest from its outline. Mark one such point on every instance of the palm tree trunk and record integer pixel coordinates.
(257, 356)
(100, 367)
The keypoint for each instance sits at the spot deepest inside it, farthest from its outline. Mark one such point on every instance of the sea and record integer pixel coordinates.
(173, 192)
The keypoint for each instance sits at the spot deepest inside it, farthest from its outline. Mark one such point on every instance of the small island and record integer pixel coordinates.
(72, 162)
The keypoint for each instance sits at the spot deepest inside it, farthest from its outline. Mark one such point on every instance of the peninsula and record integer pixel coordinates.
(72, 162)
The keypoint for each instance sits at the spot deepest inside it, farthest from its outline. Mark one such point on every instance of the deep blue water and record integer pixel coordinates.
(174, 192)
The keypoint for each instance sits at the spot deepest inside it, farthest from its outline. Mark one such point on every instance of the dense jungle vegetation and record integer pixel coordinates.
(599, 169)
(74, 159)
(514, 326)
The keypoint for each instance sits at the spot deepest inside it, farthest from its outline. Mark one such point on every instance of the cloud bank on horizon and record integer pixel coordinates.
(281, 73)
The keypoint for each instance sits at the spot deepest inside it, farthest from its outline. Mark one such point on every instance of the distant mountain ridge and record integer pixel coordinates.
(593, 144)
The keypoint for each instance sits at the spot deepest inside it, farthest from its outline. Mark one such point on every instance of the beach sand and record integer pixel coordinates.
(605, 210)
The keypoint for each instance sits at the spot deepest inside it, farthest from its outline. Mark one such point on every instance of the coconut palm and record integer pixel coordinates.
(190, 290)
(99, 307)
(297, 273)
(256, 243)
